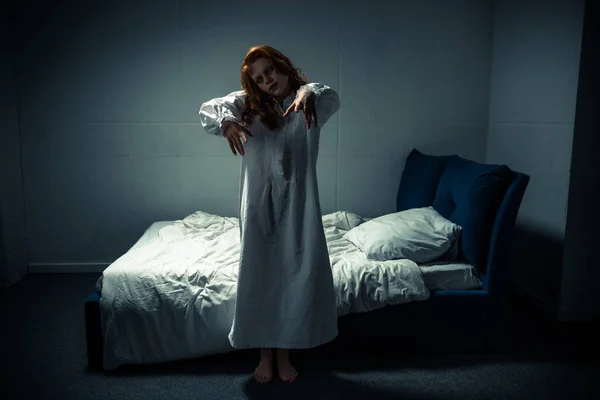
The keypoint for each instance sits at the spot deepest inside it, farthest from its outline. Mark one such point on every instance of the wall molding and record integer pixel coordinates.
(66, 268)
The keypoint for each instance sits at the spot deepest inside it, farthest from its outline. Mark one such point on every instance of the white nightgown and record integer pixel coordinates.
(285, 293)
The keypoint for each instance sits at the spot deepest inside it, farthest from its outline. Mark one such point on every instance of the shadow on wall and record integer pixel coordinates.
(535, 266)
(3, 257)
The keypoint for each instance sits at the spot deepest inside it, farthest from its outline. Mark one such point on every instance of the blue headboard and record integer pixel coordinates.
(483, 198)
(494, 281)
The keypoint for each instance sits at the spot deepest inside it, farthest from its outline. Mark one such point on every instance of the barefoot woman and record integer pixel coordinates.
(285, 297)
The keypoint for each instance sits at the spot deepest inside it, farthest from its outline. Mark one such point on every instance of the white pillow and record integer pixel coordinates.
(418, 234)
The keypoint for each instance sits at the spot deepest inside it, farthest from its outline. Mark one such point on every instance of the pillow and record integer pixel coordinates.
(419, 180)
(419, 234)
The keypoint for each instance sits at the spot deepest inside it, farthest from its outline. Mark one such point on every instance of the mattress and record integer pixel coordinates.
(450, 275)
(150, 233)
(438, 275)
(172, 295)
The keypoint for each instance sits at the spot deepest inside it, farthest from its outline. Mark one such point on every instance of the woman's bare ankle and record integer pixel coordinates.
(266, 354)
(283, 353)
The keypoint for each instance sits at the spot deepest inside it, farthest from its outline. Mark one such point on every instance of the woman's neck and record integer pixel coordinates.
(284, 95)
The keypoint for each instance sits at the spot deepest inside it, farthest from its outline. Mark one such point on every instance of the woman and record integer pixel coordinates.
(285, 297)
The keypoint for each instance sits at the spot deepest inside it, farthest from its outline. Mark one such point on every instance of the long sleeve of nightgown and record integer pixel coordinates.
(327, 102)
(215, 111)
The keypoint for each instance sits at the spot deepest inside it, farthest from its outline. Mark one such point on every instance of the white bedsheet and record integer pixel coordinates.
(171, 296)
(450, 275)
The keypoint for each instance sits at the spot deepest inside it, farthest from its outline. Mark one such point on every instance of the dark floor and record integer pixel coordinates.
(43, 356)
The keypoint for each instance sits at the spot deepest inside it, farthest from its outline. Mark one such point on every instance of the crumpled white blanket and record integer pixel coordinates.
(172, 297)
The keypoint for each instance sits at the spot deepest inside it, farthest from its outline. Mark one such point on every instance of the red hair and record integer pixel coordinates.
(258, 102)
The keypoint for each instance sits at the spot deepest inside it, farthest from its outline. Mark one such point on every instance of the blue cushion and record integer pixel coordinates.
(419, 180)
(469, 194)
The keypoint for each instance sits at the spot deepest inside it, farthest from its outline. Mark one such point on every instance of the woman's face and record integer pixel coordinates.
(268, 79)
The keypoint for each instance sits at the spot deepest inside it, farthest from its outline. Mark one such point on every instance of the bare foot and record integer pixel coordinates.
(286, 371)
(264, 372)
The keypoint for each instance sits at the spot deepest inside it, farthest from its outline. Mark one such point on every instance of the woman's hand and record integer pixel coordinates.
(233, 132)
(306, 101)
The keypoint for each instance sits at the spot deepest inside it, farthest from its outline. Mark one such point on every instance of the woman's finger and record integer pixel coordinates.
(290, 108)
(227, 134)
(248, 130)
(310, 117)
(240, 147)
(234, 140)
(231, 146)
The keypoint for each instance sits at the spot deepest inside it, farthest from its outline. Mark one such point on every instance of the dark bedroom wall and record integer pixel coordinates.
(109, 93)
(13, 264)
(533, 92)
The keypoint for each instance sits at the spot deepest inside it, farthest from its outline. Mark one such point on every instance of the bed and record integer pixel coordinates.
(140, 310)
(438, 275)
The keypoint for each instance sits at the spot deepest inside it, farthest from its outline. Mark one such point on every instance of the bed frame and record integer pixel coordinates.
(449, 321)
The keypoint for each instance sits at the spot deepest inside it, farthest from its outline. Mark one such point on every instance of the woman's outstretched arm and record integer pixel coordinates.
(327, 100)
(228, 108)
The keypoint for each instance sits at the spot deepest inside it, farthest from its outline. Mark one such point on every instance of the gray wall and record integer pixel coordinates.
(580, 298)
(110, 91)
(13, 261)
(535, 68)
